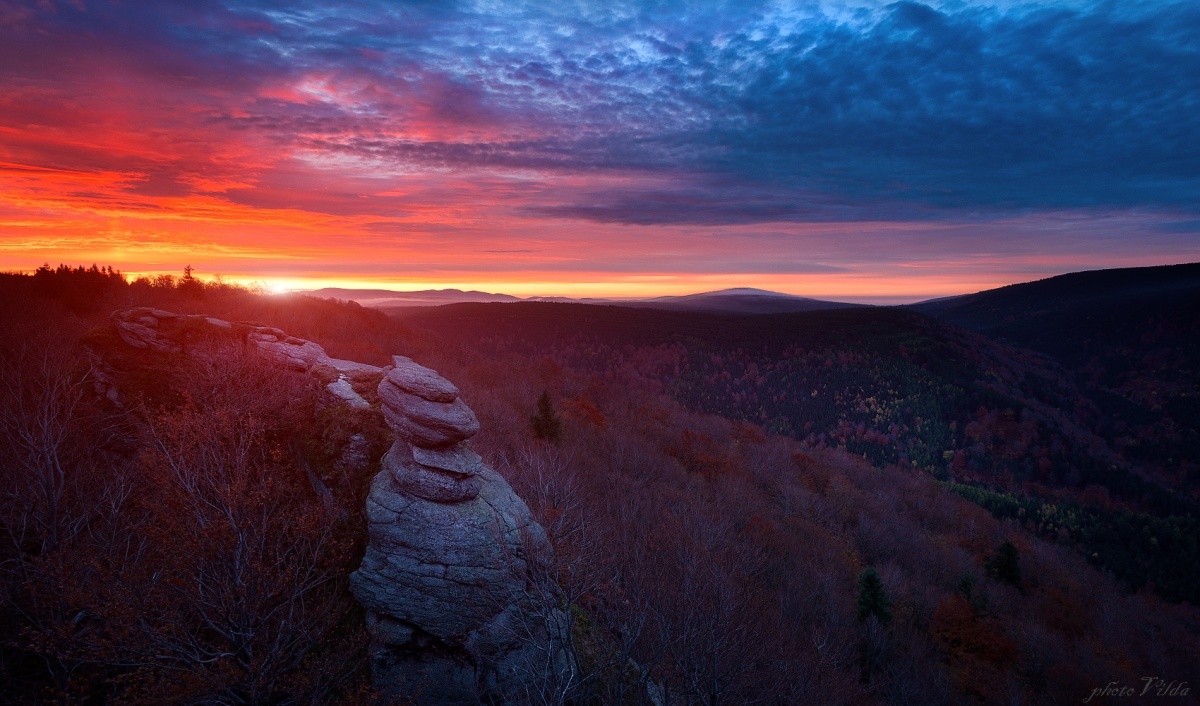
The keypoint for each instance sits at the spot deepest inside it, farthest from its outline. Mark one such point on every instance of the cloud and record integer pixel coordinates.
(807, 113)
(804, 115)
(1035, 108)
(438, 120)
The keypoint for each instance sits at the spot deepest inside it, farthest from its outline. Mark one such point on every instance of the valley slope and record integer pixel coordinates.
(1010, 427)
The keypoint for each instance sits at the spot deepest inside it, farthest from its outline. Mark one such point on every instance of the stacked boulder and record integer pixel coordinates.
(447, 580)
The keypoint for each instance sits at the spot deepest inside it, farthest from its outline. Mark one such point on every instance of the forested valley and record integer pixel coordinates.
(858, 506)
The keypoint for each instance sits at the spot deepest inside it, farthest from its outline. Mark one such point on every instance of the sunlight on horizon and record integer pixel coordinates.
(861, 288)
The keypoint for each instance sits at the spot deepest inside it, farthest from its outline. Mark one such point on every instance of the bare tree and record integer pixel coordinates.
(57, 488)
(223, 574)
(41, 393)
(704, 618)
(549, 627)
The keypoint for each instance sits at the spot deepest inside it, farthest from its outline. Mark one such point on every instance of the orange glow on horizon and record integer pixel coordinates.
(849, 288)
(304, 222)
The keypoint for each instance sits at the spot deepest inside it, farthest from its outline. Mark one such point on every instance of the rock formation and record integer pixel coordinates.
(446, 580)
(192, 334)
(455, 612)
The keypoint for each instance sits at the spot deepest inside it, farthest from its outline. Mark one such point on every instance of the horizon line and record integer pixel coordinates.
(891, 291)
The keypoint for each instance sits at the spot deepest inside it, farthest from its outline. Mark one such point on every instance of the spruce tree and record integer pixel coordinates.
(546, 424)
(871, 598)
(1006, 564)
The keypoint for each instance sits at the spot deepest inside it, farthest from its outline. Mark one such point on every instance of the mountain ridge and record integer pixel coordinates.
(734, 300)
(1130, 337)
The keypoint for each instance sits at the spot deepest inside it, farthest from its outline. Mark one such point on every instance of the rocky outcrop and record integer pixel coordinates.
(453, 609)
(194, 334)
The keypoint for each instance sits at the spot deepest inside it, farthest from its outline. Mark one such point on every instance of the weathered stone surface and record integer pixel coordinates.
(424, 423)
(457, 459)
(140, 336)
(325, 373)
(447, 568)
(103, 378)
(446, 587)
(352, 370)
(418, 380)
(427, 483)
(343, 391)
(356, 454)
(437, 486)
(388, 630)
(295, 352)
(163, 331)
(138, 327)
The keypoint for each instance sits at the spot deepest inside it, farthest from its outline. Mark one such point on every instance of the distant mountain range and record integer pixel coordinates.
(382, 298)
(740, 300)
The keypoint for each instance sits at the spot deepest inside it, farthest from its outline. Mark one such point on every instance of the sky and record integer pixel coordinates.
(844, 149)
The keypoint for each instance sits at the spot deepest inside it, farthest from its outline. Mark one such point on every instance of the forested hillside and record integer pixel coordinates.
(894, 388)
(174, 550)
(1131, 340)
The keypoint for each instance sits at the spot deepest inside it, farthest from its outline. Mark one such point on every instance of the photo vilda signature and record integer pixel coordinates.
(1150, 686)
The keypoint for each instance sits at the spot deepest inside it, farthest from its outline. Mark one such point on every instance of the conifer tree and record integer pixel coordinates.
(1006, 564)
(871, 597)
(546, 424)
(189, 285)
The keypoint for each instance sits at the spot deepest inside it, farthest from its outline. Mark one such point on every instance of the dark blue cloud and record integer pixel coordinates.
(1034, 108)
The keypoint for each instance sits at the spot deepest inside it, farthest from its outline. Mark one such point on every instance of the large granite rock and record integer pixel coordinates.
(453, 611)
(428, 482)
(423, 407)
(166, 332)
(295, 352)
(344, 392)
(446, 568)
(456, 611)
(139, 328)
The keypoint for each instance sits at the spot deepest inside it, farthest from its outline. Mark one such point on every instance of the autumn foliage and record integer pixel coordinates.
(179, 555)
(184, 556)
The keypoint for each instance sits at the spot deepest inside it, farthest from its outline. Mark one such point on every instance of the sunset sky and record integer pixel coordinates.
(850, 149)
